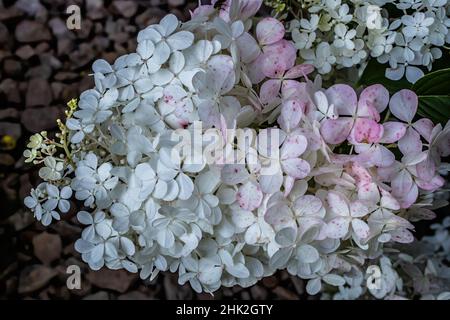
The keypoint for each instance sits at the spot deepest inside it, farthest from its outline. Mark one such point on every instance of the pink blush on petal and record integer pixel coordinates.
(367, 131)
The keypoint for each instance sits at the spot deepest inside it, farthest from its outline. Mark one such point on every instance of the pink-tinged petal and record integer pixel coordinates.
(338, 204)
(410, 197)
(401, 183)
(393, 131)
(288, 185)
(269, 90)
(249, 196)
(291, 114)
(369, 192)
(273, 66)
(426, 169)
(360, 174)
(269, 30)
(403, 105)
(281, 53)
(338, 227)
(410, 143)
(379, 156)
(254, 70)
(424, 127)
(367, 131)
(296, 168)
(301, 70)
(402, 236)
(431, 185)
(336, 131)
(293, 146)
(343, 97)
(248, 8)
(358, 209)
(388, 201)
(372, 101)
(360, 228)
(294, 90)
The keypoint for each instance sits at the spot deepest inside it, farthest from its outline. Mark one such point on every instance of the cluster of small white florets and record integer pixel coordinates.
(420, 270)
(335, 196)
(342, 34)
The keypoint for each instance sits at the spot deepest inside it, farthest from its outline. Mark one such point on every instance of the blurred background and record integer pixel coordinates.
(44, 64)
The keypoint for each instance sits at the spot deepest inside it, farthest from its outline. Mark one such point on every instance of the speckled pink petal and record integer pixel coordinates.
(344, 99)
(338, 204)
(393, 131)
(403, 105)
(282, 54)
(269, 90)
(358, 209)
(410, 143)
(424, 127)
(249, 196)
(293, 146)
(372, 101)
(402, 236)
(273, 66)
(269, 30)
(298, 71)
(291, 114)
(360, 228)
(296, 168)
(367, 131)
(336, 131)
(338, 227)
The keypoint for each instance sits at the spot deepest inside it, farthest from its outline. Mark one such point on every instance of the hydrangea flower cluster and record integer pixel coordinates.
(303, 178)
(335, 34)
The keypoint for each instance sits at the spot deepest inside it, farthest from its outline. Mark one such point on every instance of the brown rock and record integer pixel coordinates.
(47, 247)
(12, 67)
(6, 160)
(21, 219)
(10, 13)
(39, 93)
(25, 52)
(125, 8)
(117, 280)
(11, 129)
(176, 3)
(9, 88)
(4, 34)
(32, 31)
(285, 294)
(270, 282)
(37, 119)
(9, 113)
(101, 295)
(35, 277)
(95, 9)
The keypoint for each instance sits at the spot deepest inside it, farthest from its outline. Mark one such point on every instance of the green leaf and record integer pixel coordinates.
(433, 91)
(374, 73)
